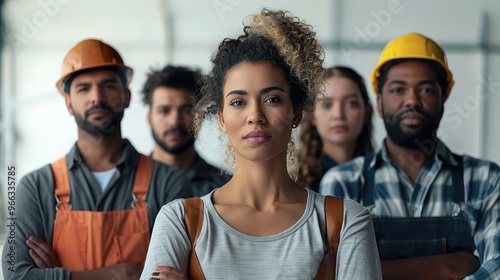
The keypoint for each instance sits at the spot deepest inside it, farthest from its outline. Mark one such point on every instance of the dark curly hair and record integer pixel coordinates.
(274, 37)
(178, 77)
(311, 149)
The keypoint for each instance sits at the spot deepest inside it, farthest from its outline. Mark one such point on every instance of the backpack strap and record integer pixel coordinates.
(457, 174)
(334, 215)
(193, 219)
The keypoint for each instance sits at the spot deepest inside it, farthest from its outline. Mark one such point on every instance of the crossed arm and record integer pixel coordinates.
(447, 266)
(44, 257)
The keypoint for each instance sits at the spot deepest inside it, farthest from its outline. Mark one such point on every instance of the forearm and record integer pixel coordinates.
(30, 272)
(448, 266)
(96, 274)
(32, 219)
(489, 270)
(121, 271)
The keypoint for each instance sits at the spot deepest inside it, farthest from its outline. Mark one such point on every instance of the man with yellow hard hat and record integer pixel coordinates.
(436, 214)
(89, 214)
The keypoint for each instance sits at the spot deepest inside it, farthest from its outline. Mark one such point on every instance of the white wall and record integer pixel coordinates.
(152, 33)
(37, 129)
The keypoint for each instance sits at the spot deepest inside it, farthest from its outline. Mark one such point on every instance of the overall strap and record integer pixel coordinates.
(457, 173)
(369, 177)
(142, 179)
(61, 183)
(334, 215)
(193, 219)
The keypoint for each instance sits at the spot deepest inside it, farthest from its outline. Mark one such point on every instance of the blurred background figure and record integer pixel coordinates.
(171, 94)
(339, 128)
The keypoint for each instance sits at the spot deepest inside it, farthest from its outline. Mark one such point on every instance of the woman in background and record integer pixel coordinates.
(262, 224)
(339, 129)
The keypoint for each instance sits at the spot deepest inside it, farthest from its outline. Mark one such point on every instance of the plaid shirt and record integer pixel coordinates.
(430, 196)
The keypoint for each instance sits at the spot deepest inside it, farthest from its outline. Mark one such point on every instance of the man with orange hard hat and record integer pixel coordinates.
(436, 214)
(89, 214)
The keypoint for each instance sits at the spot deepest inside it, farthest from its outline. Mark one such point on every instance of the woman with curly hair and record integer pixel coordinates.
(261, 224)
(339, 129)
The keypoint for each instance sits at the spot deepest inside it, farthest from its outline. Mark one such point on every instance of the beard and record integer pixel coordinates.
(421, 134)
(174, 150)
(107, 128)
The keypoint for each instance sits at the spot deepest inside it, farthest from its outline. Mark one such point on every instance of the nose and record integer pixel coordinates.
(96, 95)
(174, 117)
(412, 98)
(255, 115)
(338, 111)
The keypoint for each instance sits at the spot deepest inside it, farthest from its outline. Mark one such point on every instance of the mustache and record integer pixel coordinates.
(176, 129)
(98, 107)
(419, 110)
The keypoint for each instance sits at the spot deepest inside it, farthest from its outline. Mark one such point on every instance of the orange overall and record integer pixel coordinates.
(86, 240)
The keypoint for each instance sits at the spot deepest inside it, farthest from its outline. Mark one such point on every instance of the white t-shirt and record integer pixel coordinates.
(296, 253)
(103, 177)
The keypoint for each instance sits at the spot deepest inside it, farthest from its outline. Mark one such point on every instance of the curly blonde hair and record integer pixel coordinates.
(275, 37)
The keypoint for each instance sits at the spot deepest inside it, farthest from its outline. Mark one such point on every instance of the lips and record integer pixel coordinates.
(339, 128)
(98, 112)
(175, 132)
(412, 119)
(258, 137)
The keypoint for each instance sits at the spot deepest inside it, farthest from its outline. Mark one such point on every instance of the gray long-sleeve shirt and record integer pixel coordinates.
(35, 204)
(296, 253)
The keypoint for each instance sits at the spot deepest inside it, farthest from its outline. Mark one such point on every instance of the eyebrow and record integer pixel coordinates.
(351, 95)
(419, 83)
(168, 106)
(262, 91)
(105, 81)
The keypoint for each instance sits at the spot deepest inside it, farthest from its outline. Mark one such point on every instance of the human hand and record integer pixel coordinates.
(42, 253)
(436, 267)
(460, 265)
(167, 272)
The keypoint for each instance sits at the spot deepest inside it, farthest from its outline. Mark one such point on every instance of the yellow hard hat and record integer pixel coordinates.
(89, 54)
(412, 45)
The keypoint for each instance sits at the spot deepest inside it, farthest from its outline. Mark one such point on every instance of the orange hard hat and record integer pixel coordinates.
(89, 54)
(412, 46)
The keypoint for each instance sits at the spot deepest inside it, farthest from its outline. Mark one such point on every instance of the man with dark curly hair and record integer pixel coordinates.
(171, 94)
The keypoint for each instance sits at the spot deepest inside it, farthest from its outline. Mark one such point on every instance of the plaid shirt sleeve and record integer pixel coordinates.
(482, 201)
(344, 180)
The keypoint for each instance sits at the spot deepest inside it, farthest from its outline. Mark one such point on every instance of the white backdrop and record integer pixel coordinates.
(36, 128)
(153, 33)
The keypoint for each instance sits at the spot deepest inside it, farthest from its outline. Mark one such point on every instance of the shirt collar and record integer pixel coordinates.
(442, 154)
(129, 152)
(197, 168)
(328, 163)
